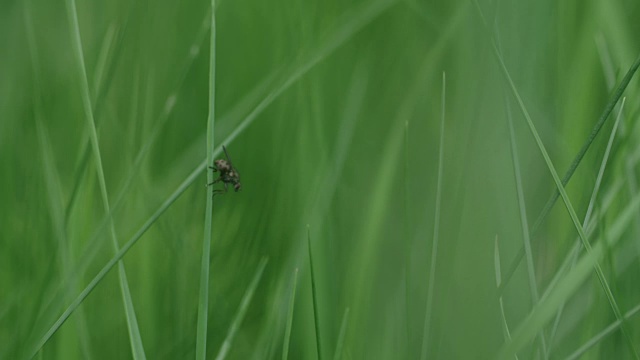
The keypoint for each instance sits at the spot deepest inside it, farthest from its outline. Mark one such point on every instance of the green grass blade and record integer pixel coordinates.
(587, 218)
(203, 299)
(242, 310)
(132, 323)
(114, 260)
(615, 97)
(344, 32)
(314, 294)
(565, 198)
(497, 267)
(602, 334)
(103, 56)
(567, 264)
(52, 177)
(342, 335)
(406, 228)
(341, 35)
(104, 70)
(559, 183)
(287, 332)
(524, 224)
(436, 231)
(56, 207)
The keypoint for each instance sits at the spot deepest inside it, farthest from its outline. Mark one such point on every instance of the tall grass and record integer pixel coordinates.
(203, 303)
(334, 113)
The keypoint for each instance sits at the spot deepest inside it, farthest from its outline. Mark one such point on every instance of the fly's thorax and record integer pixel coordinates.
(222, 165)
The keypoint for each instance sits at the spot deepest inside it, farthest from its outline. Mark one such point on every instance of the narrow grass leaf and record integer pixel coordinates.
(524, 224)
(350, 27)
(103, 60)
(114, 260)
(314, 294)
(559, 183)
(342, 335)
(565, 198)
(593, 256)
(132, 323)
(52, 178)
(608, 109)
(203, 299)
(242, 310)
(496, 262)
(103, 78)
(406, 228)
(287, 332)
(56, 206)
(587, 218)
(436, 230)
(602, 334)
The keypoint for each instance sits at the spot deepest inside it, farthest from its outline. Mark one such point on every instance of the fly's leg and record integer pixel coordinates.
(215, 181)
(220, 192)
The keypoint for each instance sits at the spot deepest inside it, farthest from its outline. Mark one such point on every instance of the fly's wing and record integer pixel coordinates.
(230, 162)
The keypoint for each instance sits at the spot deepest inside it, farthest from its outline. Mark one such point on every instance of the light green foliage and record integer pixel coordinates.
(333, 113)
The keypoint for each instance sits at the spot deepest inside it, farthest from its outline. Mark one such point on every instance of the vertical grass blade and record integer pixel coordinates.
(345, 32)
(341, 335)
(52, 177)
(406, 228)
(436, 231)
(137, 347)
(524, 224)
(287, 332)
(203, 299)
(315, 298)
(496, 262)
(242, 310)
(105, 67)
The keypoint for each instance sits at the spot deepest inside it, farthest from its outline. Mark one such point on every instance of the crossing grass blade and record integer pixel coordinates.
(114, 260)
(52, 177)
(55, 201)
(108, 59)
(567, 285)
(594, 256)
(602, 334)
(567, 202)
(135, 338)
(608, 109)
(242, 310)
(560, 187)
(587, 218)
(343, 33)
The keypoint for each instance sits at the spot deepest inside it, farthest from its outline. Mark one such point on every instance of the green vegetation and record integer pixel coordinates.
(385, 213)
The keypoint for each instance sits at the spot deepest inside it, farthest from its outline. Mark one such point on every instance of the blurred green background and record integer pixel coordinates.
(331, 111)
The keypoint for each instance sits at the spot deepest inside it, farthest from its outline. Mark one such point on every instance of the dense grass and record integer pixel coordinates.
(385, 213)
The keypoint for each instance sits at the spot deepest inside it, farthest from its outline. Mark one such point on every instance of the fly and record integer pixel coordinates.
(228, 174)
